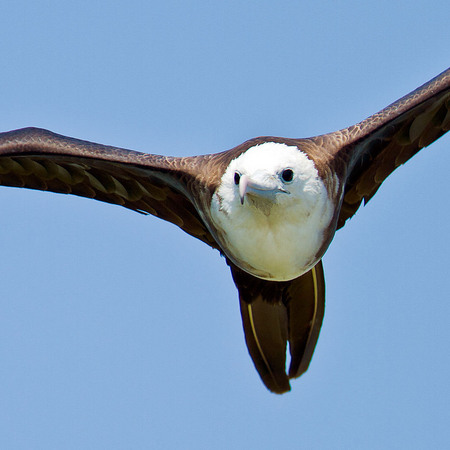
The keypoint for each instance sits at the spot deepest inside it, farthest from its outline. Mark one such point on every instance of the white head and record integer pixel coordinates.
(271, 209)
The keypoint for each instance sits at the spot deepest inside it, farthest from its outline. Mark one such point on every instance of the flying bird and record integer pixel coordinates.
(271, 205)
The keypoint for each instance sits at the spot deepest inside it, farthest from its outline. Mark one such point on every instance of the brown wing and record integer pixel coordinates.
(150, 184)
(275, 313)
(374, 148)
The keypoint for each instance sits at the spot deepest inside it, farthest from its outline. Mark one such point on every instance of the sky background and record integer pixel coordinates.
(118, 330)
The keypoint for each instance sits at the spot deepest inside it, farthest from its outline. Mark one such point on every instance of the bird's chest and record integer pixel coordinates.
(271, 242)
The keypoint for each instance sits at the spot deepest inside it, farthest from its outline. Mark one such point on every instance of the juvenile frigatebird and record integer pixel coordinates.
(271, 205)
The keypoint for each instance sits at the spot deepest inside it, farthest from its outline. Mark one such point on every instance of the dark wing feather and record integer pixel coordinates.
(275, 313)
(161, 186)
(265, 328)
(374, 148)
(306, 308)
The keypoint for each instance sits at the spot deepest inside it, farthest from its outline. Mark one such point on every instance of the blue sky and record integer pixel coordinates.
(119, 330)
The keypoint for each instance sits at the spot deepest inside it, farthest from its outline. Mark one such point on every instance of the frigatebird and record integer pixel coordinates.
(271, 205)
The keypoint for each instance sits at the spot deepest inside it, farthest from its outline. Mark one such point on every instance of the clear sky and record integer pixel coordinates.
(119, 330)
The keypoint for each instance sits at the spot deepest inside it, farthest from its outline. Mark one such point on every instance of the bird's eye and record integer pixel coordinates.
(287, 175)
(237, 177)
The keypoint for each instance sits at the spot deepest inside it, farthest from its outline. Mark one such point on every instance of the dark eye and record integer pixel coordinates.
(287, 175)
(237, 177)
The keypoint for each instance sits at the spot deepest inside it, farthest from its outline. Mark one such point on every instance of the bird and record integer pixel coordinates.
(270, 206)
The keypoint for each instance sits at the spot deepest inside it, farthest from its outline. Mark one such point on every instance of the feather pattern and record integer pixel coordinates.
(277, 313)
(365, 154)
(149, 184)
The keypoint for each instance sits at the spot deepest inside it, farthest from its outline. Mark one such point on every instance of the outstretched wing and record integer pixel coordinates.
(38, 159)
(277, 313)
(375, 147)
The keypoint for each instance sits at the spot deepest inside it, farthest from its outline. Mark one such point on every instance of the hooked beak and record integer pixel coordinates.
(243, 184)
(246, 185)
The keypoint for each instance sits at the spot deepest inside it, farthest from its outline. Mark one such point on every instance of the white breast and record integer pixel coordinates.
(277, 239)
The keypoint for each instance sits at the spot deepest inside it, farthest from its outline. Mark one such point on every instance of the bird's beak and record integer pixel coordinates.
(248, 186)
(243, 184)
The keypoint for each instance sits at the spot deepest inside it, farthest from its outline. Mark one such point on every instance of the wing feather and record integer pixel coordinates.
(151, 184)
(365, 154)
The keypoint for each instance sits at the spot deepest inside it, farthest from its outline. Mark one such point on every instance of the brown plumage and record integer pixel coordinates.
(353, 163)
